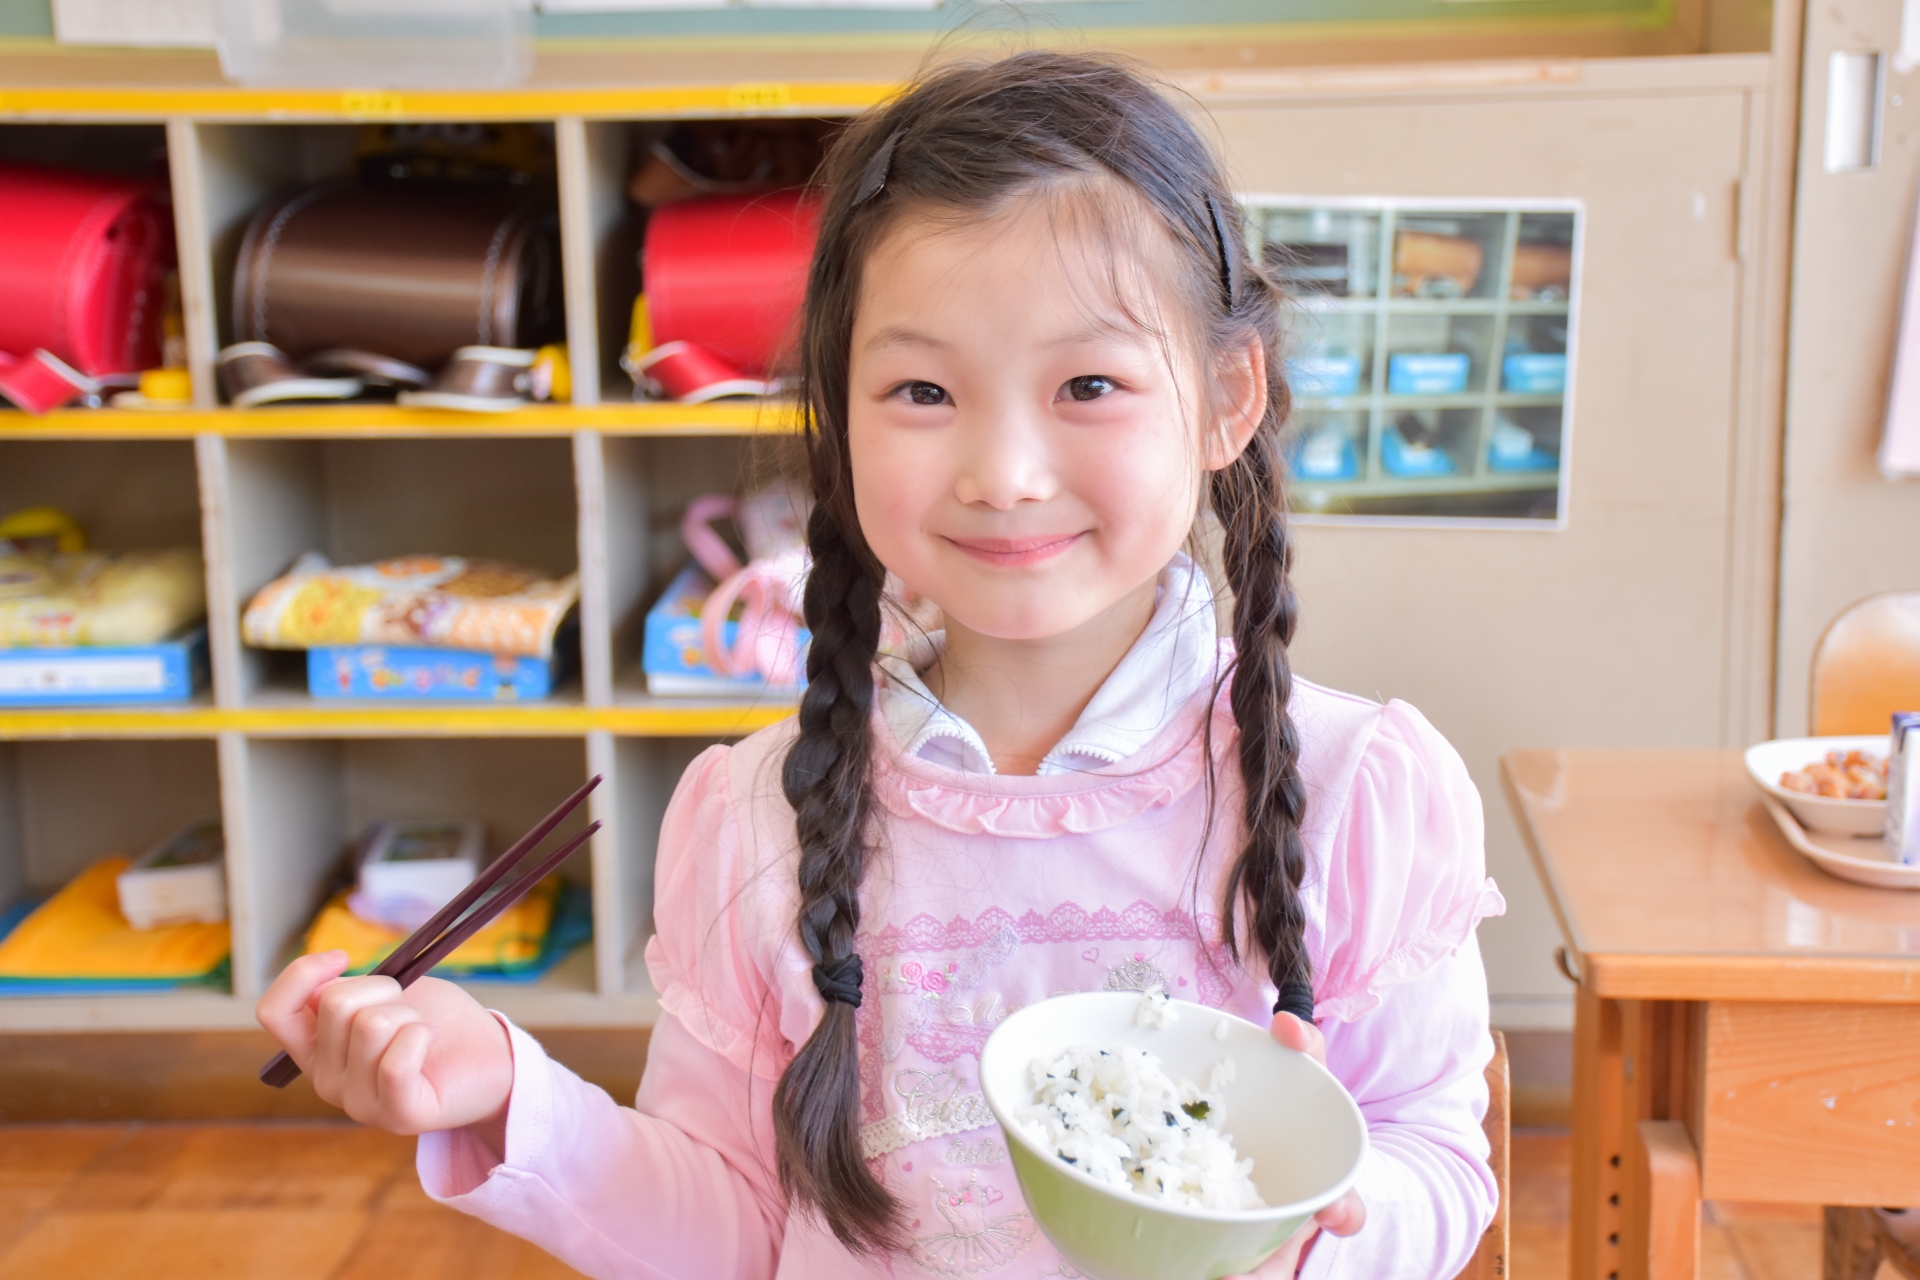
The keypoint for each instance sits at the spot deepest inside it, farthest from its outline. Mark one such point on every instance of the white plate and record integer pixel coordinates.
(1766, 761)
(1861, 859)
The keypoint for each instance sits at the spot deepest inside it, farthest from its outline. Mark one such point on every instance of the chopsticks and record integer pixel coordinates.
(435, 940)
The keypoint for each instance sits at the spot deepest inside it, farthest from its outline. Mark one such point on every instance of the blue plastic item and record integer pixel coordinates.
(1319, 458)
(441, 675)
(1513, 449)
(1534, 373)
(1325, 374)
(1401, 459)
(96, 675)
(1428, 373)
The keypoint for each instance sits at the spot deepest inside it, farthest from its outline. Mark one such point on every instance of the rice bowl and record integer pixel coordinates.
(1283, 1111)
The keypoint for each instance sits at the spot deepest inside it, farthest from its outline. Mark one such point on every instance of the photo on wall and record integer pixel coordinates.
(1430, 353)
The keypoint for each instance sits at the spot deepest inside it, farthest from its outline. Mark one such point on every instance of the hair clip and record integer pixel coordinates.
(873, 178)
(1229, 260)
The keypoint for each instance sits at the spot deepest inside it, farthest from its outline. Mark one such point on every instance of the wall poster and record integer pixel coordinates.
(1430, 355)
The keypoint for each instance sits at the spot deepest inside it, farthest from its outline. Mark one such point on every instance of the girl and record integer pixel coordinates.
(1034, 352)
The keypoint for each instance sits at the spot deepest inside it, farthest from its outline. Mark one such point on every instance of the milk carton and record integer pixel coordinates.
(1903, 789)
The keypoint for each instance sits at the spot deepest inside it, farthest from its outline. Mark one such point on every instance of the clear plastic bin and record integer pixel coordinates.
(377, 44)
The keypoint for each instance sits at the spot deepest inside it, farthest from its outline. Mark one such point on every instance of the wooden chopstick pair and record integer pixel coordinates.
(435, 940)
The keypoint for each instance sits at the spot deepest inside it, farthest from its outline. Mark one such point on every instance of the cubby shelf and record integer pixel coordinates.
(595, 487)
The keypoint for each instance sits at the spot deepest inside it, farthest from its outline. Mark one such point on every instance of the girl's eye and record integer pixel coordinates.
(1090, 386)
(926, 393)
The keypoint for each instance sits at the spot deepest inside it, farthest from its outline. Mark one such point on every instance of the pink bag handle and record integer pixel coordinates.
(713, 615)
(709, 549)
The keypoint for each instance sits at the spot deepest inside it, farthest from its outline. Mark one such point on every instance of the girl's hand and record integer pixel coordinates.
(1341, 1218)
(408, 1061)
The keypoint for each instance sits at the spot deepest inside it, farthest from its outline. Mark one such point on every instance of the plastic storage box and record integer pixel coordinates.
(105, 674)
(1428, 373)
(1534, 373)
(376, 44)
(1333, 373)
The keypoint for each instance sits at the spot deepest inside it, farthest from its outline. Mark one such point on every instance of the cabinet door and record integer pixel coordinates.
(1614, 630)
(1849, 533)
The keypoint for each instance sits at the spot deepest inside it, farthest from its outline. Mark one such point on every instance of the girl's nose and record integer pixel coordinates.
(1005, 462)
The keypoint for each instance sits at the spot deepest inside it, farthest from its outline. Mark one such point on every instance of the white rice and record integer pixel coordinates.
(1117, 1115)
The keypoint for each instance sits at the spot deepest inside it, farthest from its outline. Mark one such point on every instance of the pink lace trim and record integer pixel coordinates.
(937, 1040)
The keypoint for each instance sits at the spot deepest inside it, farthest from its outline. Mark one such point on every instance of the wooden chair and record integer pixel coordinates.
(1867, 665)
(1857, 1241)
(1489, 1261)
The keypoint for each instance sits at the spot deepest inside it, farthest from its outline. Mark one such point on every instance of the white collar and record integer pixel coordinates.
(1170, 662)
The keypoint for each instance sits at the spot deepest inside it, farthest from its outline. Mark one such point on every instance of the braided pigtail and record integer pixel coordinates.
(1248, 498)
(826, 780)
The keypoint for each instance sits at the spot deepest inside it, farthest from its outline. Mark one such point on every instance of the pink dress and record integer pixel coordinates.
(990, 893)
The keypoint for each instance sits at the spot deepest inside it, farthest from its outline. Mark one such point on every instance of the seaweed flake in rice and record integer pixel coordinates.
(1117, 1116)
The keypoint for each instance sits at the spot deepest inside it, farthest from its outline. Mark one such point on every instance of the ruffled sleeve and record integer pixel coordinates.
(1405, 876)
(711, 957)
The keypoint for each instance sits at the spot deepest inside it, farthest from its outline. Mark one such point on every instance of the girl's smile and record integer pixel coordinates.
(1016, 553)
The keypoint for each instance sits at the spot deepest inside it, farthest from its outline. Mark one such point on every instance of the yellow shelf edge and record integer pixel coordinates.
(234, 103)
(359, 721)
(689, 722)
(378, 421)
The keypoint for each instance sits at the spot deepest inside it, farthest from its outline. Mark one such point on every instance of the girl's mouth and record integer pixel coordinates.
(1016, 553)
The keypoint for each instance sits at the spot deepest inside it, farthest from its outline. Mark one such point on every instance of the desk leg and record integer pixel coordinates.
(1598, 1138)
(1664, 1207)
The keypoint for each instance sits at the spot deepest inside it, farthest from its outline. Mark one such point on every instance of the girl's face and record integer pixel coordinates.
(1024, 454)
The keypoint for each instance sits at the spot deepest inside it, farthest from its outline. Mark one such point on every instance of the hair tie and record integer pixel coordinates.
(1229, 260)
(840, 981)
(874, 177)
(1296, 998)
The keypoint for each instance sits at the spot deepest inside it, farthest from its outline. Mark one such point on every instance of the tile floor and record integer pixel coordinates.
(328, 1201)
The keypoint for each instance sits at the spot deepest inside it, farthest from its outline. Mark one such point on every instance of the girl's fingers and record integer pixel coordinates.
(1301, 1036)
(335, 1007)
(406, 1099)
(1345, 1216)
(286, 1010)
(369, 1034)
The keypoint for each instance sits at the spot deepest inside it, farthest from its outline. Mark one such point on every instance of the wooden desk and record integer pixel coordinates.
(1746, 1026)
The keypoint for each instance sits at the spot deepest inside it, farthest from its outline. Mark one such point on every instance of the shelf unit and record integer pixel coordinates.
(1367, 313)
(594, 486)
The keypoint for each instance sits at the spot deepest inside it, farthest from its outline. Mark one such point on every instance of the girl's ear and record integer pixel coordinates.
(1241, 377)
